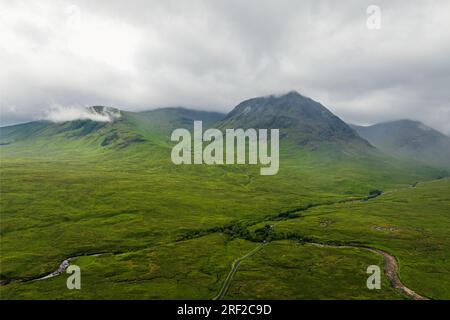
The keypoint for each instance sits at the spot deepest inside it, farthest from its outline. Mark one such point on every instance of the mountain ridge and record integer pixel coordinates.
(304, 125)
(409, 139)
(299, 118)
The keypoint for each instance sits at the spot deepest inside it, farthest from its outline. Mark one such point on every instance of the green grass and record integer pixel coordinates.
(191, 269)
(412, 224)
(289, 270)
(67, 195)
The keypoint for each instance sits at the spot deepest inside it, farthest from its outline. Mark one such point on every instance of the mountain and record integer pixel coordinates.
(106, 127)
(408, 139)
(314, 143)
(163, 121)
(300, 120)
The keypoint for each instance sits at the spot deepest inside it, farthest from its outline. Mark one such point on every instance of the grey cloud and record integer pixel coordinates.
(213, 54)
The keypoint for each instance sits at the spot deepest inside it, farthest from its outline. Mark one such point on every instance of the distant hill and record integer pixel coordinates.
(408, 139)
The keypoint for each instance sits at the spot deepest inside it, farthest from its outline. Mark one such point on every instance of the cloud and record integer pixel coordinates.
(213, 54)
(98, 114)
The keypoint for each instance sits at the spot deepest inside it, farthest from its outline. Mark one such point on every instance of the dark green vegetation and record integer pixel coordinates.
(171, 231)
(410, 223)
(190, 269)
(300, 119)
(409, 140)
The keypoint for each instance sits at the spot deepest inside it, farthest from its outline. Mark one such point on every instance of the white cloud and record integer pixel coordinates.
(71, 113)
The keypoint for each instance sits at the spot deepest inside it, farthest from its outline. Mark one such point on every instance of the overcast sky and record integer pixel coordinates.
(140, 55)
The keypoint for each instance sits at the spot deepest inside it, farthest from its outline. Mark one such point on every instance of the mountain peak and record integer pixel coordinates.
(415, 124)
(299, 118)
(105, 112)
(404, 124)
(292, 93)
(409, 139)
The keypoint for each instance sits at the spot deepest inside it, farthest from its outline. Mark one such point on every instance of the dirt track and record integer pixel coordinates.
(390, 269)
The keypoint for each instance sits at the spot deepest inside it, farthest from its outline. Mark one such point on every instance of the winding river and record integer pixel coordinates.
(390, 269)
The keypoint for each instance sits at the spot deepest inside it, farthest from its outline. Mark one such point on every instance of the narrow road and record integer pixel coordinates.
(234, 267)
(390, 269)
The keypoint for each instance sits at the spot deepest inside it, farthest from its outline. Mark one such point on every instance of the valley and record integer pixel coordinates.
(80, 188)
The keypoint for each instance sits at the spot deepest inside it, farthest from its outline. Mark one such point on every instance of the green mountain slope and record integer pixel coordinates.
(86, 136)
(162, 122)
(300, 120)
(408, 139)
(312, 137)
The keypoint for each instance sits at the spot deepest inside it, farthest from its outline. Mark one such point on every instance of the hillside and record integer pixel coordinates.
(311, 138)
(408, 139)
(163, 121)
(300, 120)
(85, 135)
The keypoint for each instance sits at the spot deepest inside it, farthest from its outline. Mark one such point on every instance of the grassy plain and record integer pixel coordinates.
(410, 223)
(290, 270)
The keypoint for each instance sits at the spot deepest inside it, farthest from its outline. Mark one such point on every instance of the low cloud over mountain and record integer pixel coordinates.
(98, 114)
(212, 54)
